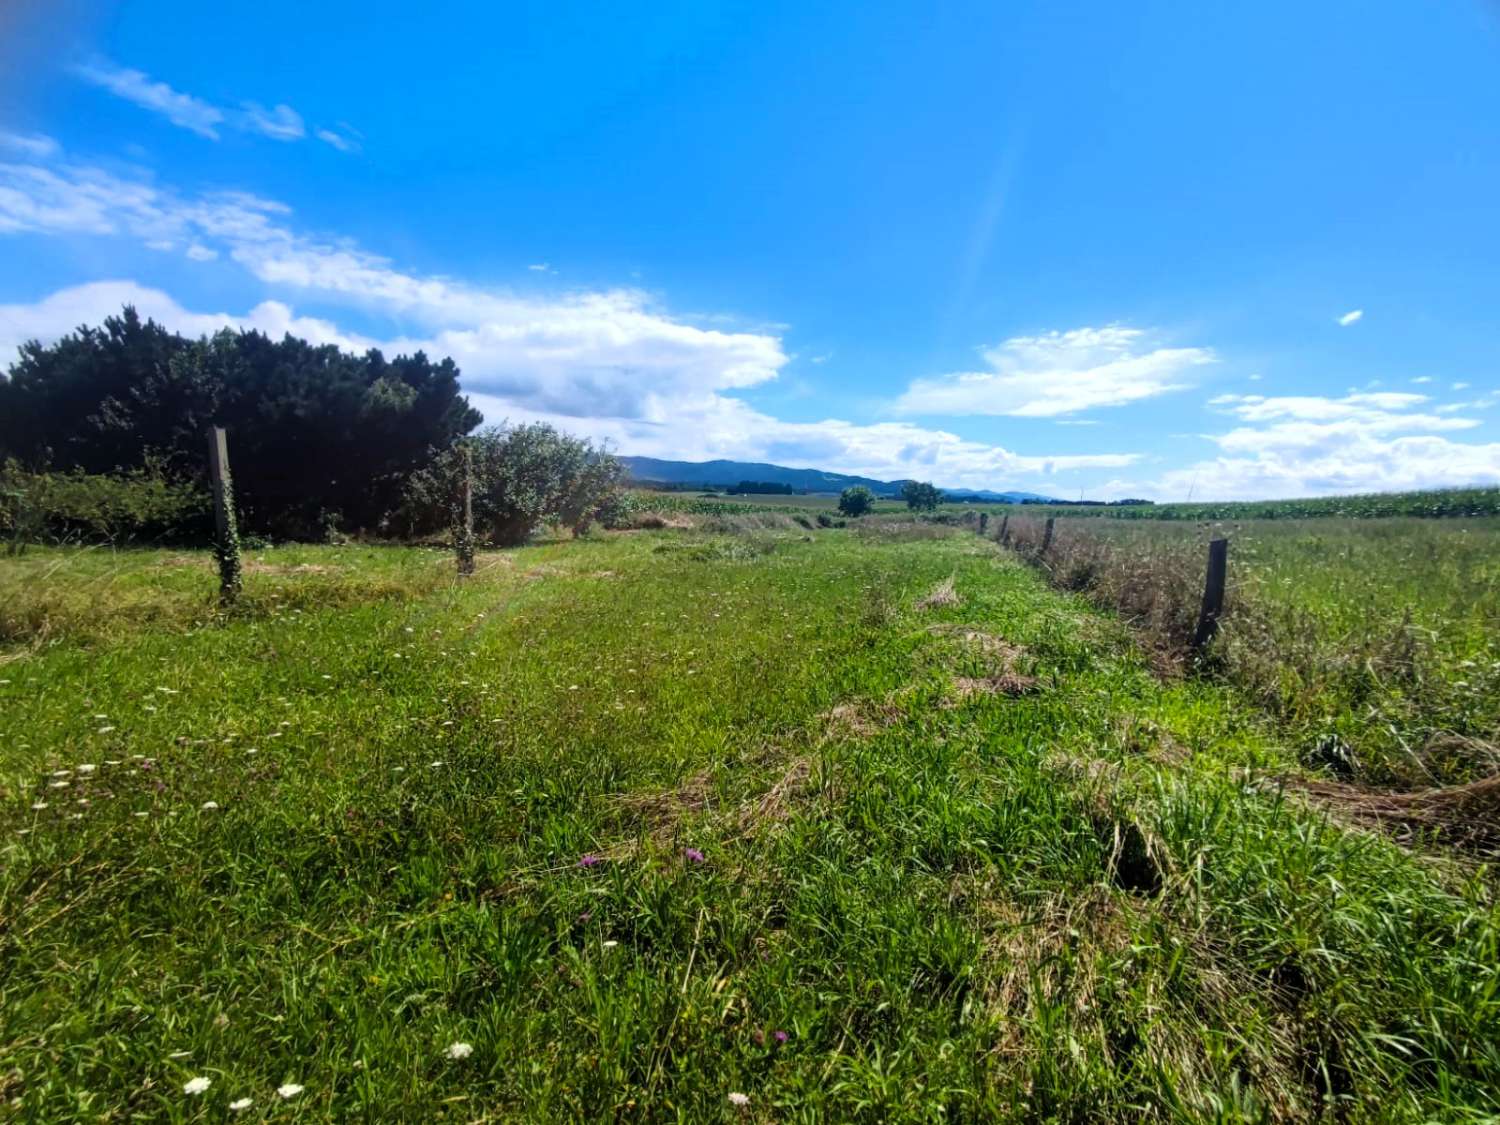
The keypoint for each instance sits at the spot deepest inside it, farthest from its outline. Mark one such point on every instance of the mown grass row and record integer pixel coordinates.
(861, 827)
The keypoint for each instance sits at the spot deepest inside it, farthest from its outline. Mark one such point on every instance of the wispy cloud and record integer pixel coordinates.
(1059, 373)
(341, 141)
(280, 122)
(37, 146)
(1351, 317)
(283, 123)
(540, 267)
(138, 87)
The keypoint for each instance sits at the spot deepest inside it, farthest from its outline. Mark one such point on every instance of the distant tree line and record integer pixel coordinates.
(321, 441)
(763, 488)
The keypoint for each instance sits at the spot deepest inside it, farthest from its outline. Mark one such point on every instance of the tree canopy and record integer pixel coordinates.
(921, 496)
(856, 500)
(317, 436)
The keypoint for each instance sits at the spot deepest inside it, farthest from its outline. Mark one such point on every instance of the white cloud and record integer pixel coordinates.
(65, 310)
(541, 267)
(338, 140)
(200, 253)
(677, 421)
(1460, 386)
(283, 123)
(1311, 445)
(1351, 317)
(136, 86)
(37, 146)
(1059, 373)
(1422, 379)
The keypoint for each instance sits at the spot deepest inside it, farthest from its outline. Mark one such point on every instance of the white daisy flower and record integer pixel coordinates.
(290, 1090)
(737, 1098)
(239, 1104)
(39, 805)
(210, 805)
(460, 1050)
(87, 767)
(197, 1085)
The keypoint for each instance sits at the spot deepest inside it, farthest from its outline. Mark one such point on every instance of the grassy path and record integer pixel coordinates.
(962, 857)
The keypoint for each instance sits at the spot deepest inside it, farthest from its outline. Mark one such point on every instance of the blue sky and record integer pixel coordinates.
(1088, 248)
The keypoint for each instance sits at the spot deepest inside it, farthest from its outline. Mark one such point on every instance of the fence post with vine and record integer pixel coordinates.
(463, 512)
(226, 525)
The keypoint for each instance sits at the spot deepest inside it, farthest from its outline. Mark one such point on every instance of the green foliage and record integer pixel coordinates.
(921, 496)
(312, 429)
(140, 505)
(1435, 504)
(524, 476)
(856, 500)
(368, 791)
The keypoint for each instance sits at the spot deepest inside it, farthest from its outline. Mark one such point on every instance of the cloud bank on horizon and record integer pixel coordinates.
(617, 363)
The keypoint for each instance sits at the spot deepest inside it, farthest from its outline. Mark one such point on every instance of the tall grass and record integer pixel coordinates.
(1375, 646)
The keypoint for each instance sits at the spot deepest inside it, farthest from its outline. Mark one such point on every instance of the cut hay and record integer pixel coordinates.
(942, 595)
(1006, 683)
(1466, 816)
(858, 719)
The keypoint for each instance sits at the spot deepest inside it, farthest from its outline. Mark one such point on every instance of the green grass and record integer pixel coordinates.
(1091, 900)
(1428, 504)
(1374, 643)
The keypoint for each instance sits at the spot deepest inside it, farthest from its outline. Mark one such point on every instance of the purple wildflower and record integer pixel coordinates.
(693, 854)
(780, 1036)
(588, 861)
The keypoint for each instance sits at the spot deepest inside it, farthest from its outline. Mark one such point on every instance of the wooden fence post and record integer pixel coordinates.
(226, 526)
(463, 533)
(1005, 529)
(1213, 593)
(984, 522)
(1047, 534)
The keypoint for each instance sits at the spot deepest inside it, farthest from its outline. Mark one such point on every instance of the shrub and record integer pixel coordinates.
(921, 496)
(80, 507)
(856, 501)
(523, 477)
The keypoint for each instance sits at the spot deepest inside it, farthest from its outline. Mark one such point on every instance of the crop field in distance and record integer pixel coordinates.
(737, 819)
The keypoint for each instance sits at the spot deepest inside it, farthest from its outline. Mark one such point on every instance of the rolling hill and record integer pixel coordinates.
(721, 474)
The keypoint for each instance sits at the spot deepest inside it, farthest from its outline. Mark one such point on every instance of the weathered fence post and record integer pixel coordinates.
(1213, 593)
(463, 532)
(1047, 534)
(984, 522)
(1005, 529)
(226, 526)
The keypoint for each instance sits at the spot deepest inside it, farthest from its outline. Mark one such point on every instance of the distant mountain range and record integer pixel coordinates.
(722, 474)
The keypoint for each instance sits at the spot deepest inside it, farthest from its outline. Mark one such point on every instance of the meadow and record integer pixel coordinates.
(749, 824)
(1374, 644)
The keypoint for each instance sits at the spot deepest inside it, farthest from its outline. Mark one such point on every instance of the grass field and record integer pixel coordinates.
(1374, 643)
(863, 825)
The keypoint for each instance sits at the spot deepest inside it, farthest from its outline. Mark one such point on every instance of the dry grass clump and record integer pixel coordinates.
(1466, 816)
(1155, 582)
(941, 596)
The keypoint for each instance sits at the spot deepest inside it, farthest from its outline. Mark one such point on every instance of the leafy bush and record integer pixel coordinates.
(921, 496)
(143, 504)
(524, 477)
(856, 501)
